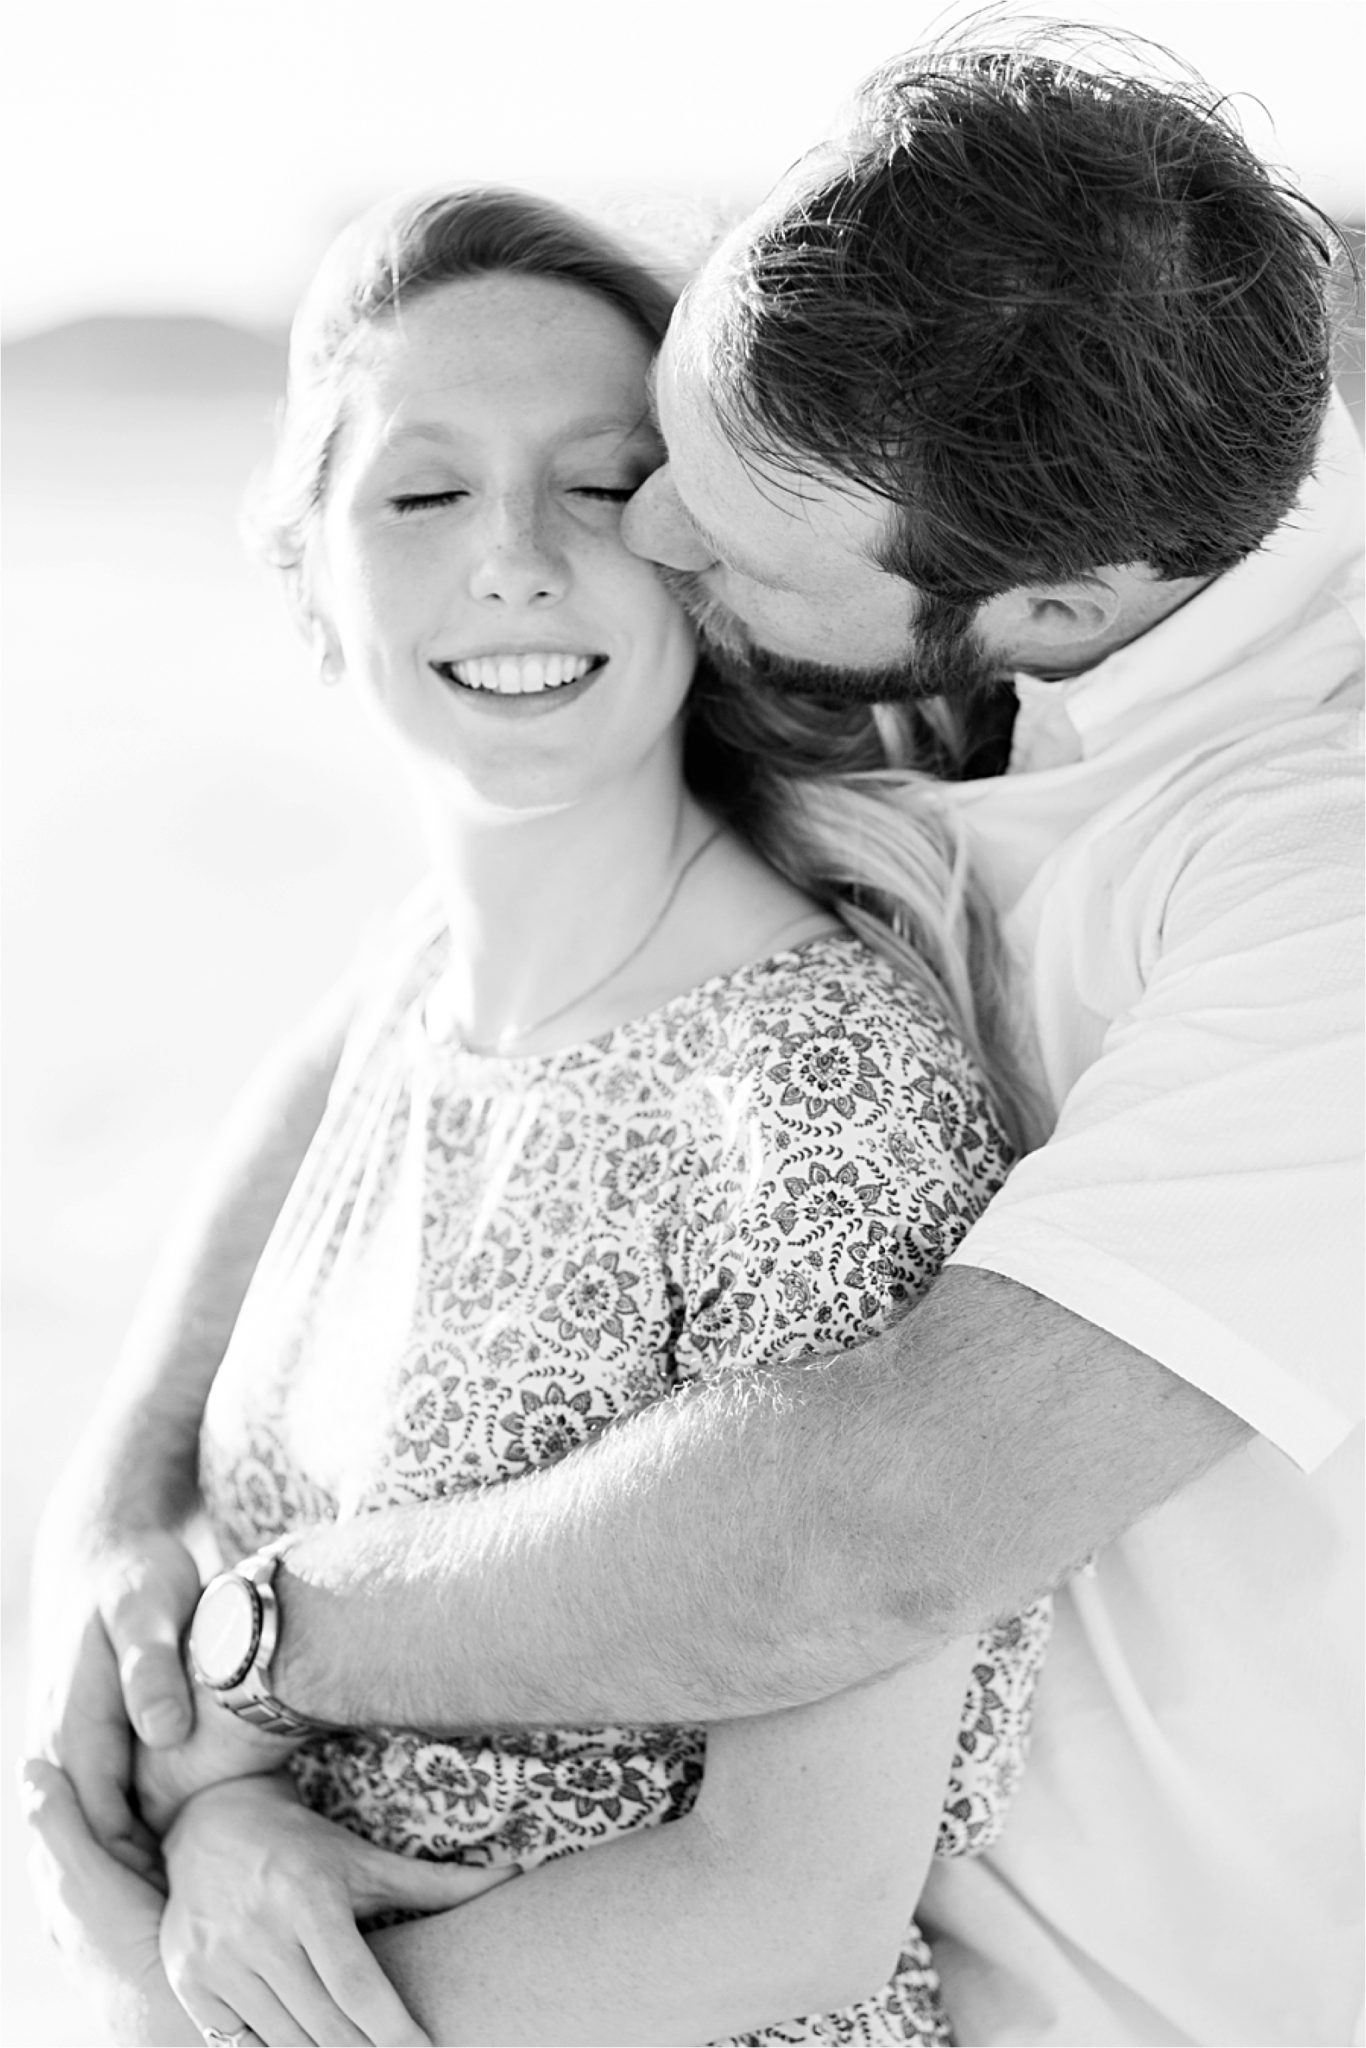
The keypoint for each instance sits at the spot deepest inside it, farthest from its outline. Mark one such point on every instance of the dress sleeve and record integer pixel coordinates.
(852, 1148)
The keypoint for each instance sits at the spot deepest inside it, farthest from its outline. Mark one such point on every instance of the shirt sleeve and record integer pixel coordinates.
(1201, 1196)
(853, 1148)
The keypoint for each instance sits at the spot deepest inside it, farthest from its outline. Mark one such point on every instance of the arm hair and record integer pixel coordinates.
(759, 1543)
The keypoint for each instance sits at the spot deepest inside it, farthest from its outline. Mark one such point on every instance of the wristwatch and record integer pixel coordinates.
(233, 1636)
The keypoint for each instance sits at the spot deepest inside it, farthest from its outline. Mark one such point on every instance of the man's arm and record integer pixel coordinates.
(758, 1542)
(114, 1582)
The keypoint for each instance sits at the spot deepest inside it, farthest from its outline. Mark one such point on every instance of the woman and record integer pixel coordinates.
(621, 1103)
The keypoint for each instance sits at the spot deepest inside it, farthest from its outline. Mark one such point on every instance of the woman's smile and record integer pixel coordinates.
(523, 674)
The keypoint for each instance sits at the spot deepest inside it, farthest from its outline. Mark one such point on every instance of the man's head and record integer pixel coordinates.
(996, 380)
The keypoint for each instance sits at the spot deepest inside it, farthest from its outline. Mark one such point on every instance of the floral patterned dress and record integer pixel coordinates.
(485, 1260)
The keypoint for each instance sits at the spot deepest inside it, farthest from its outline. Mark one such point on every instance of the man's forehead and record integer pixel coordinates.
(763, 514)
(683, 383)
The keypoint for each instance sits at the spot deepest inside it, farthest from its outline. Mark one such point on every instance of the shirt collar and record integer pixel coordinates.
(1061, 722)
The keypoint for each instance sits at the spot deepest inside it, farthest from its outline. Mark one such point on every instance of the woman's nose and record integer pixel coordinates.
(656, 525)
(517, 561)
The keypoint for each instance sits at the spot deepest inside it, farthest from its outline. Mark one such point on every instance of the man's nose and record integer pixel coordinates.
(517, 561)
(656, 525)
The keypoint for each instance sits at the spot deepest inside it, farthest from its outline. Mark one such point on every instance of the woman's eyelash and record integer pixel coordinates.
(415, 500)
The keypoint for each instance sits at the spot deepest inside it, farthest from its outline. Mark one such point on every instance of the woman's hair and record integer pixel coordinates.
(840, 800)
(835, 798)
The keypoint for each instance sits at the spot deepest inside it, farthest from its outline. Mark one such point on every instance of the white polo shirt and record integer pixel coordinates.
(1176, 856)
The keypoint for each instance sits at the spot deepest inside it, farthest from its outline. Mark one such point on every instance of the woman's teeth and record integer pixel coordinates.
(519, 675)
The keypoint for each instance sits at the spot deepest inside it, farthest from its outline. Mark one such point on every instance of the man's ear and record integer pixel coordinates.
(1061, 628)
(1053, 625)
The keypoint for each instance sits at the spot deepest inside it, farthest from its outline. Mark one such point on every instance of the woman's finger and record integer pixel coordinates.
(381, 1878)
(309, 1996)
(57, 1830)
(357, 1988)
(51, 1807)
(250, 2003)
(279, 1995)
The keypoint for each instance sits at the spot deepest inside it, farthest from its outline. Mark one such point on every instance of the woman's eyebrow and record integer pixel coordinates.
(596, 426)
(416, 430)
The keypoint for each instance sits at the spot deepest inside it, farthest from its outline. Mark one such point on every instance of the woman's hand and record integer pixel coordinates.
(102, 1916)
(221, 1746)
(260, 1928)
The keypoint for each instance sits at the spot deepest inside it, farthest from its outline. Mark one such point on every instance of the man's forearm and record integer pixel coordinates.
(756, 1543)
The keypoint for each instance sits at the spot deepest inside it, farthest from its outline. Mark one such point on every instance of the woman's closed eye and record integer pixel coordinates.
(420, 501)
(407, 502)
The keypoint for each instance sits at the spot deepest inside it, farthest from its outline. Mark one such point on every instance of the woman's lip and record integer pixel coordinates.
(496, 653)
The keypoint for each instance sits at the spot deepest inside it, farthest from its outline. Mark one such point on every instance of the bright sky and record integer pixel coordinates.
(194, 155)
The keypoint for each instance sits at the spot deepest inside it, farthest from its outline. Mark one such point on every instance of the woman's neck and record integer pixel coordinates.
(550, 911)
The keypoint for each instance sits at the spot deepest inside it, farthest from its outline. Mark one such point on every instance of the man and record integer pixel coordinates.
(1023, 379)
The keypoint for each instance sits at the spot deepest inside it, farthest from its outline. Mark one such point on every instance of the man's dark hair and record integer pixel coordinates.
(1059, 317)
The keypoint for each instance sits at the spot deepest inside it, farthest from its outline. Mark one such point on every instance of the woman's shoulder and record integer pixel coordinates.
(828, 1035)
(835, 986)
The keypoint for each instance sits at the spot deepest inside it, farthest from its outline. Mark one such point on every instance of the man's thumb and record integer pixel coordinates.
(147, 1600)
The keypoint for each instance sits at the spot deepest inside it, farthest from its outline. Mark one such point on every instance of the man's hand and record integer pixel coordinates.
(105, 1920)
(221, 1746)
(107, 1667)
(261, 1921)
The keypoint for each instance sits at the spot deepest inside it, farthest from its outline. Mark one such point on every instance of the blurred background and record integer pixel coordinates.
(196, 835)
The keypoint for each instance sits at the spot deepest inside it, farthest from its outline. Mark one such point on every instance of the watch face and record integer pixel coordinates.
(224, 1633)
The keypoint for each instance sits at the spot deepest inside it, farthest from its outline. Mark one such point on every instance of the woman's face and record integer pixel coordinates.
(469, 565)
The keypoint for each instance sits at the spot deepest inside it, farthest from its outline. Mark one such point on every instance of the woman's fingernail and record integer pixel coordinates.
(29, 1774)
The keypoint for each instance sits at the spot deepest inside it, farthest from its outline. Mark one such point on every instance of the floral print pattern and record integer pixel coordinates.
(483, 1262)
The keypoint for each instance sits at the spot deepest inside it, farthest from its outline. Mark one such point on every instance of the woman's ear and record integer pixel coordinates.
(326, 652)
(315, 627)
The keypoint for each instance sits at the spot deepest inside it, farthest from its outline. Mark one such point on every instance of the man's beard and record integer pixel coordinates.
(945, 659)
